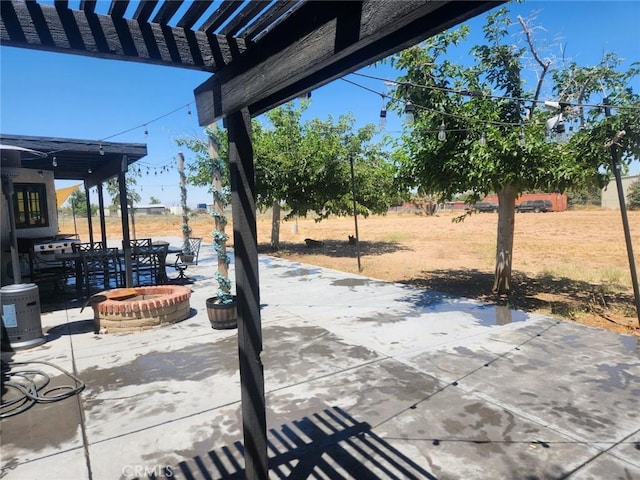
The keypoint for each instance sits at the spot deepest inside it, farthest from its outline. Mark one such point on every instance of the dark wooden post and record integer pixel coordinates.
(7, 189)
(103, 225)
(245, 243)
(124, 212)
(89, 221)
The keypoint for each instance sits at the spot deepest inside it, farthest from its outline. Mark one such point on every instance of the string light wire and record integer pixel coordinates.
(142, 125)
(480, 94)
(431, 110)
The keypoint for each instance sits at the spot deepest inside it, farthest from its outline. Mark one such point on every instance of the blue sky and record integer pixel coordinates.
(71, 96)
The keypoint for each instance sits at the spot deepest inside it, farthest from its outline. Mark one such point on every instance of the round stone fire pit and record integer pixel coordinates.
(140, 308)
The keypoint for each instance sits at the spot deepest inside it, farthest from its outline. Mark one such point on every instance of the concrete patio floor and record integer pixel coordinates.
(364, 379)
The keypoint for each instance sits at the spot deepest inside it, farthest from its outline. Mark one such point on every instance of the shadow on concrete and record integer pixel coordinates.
(562, 296)
(86, 326)
(330, 444)
(71, 328)
(333, 248)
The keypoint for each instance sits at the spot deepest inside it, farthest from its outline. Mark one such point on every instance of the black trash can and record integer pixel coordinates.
(21, 315)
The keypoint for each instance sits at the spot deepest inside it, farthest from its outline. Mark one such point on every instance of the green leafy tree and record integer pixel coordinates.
(200, 168)
(633, 196)
(479, 130)
(306, 166)
(154, 201)
(131, 182)
(78, 202)
(133, 196)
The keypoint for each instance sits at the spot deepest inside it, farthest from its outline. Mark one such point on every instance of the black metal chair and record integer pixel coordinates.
(143, 264)
(190, 252)
(180, 268)
(87, 246)
(188, 256)
(102, 269)
(160, 250)
(44, 270)
(137, 242)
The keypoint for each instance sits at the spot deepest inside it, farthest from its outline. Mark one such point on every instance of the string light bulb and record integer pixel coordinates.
(521, 141)
(188, 110)
(383, 114)
(408, 113)
(146, 132)
(483, 140)
(54, 162)
(100, 149)
(442, 132)
(560, 124)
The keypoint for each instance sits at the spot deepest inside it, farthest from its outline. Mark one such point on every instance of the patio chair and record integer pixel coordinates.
(160, 250)
(188, 256)
(45, 269)
(87, 246)
(102, 269)
(143, 261)
(137, 242)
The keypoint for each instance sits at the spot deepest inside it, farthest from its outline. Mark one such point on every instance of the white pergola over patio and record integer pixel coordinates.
(261, 54)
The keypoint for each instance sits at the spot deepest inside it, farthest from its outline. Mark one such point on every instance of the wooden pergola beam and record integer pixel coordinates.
(336, 38)
(45, 27)
(222, 13)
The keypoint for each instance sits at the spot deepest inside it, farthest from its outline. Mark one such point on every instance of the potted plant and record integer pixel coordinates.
(221, 308)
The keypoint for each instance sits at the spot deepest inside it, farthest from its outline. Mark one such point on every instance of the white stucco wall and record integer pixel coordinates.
(27, 176)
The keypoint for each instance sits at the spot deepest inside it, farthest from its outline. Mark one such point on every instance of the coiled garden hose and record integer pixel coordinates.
(30, 385)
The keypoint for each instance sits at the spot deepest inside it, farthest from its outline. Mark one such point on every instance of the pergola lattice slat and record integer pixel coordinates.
(222, 13)
(75, 31)
(144, 10)
(193, 14)
(167, 11)
(118, 8)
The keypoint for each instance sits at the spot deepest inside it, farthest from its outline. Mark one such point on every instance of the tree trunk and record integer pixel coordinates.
(275, 227)
(504, 250)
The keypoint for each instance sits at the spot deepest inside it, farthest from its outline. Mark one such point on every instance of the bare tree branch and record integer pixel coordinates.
(544, 65)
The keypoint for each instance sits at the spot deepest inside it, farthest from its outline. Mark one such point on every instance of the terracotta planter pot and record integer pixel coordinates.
(222, 316)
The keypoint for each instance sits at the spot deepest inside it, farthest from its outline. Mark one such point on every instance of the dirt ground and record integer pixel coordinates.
(573, 265)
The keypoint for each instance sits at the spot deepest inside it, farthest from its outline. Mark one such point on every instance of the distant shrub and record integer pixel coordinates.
(589, 195)
(633, 196)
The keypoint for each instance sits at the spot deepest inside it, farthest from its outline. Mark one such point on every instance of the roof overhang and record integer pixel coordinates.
(71, 159)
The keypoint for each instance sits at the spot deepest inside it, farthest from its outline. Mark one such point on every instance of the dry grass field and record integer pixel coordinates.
(572, 265)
